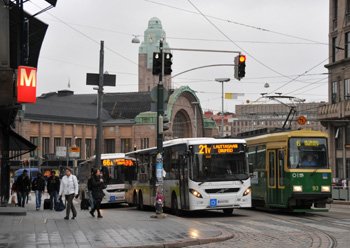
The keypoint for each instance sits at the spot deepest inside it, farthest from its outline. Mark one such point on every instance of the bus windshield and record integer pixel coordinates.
(219, 164)
(118, 171)
(308, 153)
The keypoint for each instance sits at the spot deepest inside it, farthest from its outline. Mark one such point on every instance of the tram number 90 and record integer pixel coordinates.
(315, 188)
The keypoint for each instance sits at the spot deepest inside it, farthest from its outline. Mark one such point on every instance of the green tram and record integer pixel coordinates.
(289, 170)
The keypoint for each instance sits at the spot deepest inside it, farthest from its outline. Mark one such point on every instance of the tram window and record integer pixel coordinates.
(260, 157)
(252, 158)
(271, 169)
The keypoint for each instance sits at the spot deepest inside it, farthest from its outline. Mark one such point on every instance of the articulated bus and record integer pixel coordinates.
(290, 170)
(199, 174)
(117, 171)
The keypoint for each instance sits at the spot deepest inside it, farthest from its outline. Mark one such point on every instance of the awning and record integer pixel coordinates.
(19, 145)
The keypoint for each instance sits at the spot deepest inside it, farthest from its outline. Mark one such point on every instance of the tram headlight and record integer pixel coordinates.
(325, 189)
(297, 188)
(196, 193)
(247, 191)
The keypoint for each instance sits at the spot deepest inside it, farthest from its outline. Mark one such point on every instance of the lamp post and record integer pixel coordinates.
(222, 81)
(195, 104)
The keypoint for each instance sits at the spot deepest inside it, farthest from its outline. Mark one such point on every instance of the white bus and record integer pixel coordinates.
(200, 174)
(118, 171)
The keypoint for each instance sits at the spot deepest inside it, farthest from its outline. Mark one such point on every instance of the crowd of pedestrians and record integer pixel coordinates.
(67, 186)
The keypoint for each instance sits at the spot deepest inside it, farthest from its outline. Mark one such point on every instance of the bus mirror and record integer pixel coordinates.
(281, 155)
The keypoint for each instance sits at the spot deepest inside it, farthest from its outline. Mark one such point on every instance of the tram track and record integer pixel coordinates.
(332, 240)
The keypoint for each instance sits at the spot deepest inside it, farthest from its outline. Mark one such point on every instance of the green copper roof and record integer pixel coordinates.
(146, 118)
(152, 36)
(209, 123)
(173, 97)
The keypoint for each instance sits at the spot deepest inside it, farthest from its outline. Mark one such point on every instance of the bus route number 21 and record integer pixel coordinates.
(204, 149)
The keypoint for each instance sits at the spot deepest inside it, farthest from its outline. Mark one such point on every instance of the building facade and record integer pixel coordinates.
(335, 116)
(250, 117)
(129, 119)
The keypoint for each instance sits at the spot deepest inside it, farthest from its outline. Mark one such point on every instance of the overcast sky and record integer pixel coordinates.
(281, 38)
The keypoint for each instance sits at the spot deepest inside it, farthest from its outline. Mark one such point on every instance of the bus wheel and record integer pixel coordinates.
(228, 211)
(174, 205)
(140, 205)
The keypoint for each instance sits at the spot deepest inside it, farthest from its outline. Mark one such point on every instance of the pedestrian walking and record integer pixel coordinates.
(38, 185)
(89, 185)
(97, 186)
(53, 188)
(69, 187)
(22, 188)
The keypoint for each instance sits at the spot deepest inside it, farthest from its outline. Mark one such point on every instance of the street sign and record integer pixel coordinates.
(74, 152)
(93, 79)
(61, 151)
(301, 120)
(26, 84)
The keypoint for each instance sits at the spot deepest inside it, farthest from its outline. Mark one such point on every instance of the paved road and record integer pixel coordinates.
(120, 227)
(253, 228)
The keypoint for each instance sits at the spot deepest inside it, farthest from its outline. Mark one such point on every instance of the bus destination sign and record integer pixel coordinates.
(217, 148)
(117, 162)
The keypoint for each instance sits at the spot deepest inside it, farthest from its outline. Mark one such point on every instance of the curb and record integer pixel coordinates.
(339, 202)
(225, 235)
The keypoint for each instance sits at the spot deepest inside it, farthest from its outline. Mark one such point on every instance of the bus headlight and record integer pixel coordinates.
(247, 191)
(325, 189)
(297, 188)
(196, 193)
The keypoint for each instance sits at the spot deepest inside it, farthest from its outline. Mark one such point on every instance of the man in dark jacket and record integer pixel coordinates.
(97, 186)
(22, 188)
(53, 187)
(38, 185)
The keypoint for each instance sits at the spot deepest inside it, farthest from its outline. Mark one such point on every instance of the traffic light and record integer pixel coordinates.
(167, 63)
(157, 64)
(163, 122)
(166, 123)
(240, 66)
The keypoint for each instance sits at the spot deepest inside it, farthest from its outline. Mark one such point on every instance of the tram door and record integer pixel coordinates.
(275, 176)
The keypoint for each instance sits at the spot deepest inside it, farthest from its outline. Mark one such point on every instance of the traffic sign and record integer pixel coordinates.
(74, 152)
(61, 151)
(301, 120)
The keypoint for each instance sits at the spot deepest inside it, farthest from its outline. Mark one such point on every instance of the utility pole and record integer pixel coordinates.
(100, 80)
(99, 108)
(159, 158)
(222, 80)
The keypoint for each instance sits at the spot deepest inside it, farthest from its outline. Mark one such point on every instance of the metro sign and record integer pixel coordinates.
(26, 84)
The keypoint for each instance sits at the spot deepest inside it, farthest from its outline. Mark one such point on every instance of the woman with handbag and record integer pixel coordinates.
(97, 186)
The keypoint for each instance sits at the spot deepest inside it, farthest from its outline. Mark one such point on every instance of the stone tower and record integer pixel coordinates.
(150, 44)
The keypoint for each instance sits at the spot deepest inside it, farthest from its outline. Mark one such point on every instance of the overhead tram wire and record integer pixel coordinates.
(237, 23)
(337, 50)
(87, 36)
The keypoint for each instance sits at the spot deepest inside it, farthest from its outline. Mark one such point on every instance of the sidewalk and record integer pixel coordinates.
(119, 227)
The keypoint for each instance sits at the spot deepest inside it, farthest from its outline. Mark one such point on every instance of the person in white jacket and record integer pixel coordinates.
(69, 187)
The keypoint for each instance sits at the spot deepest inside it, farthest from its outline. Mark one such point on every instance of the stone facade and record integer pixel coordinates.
(335, 116)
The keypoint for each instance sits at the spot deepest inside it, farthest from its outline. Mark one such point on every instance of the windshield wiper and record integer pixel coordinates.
(236, 178)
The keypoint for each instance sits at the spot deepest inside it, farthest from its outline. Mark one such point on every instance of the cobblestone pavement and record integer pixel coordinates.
(261, 229)
(120, 227)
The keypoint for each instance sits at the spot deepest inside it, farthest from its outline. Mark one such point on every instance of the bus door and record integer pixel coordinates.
(275, 176)
(183, 172)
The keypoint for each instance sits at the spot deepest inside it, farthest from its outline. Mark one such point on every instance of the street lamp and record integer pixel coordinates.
(195, 117)
(222, 81)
